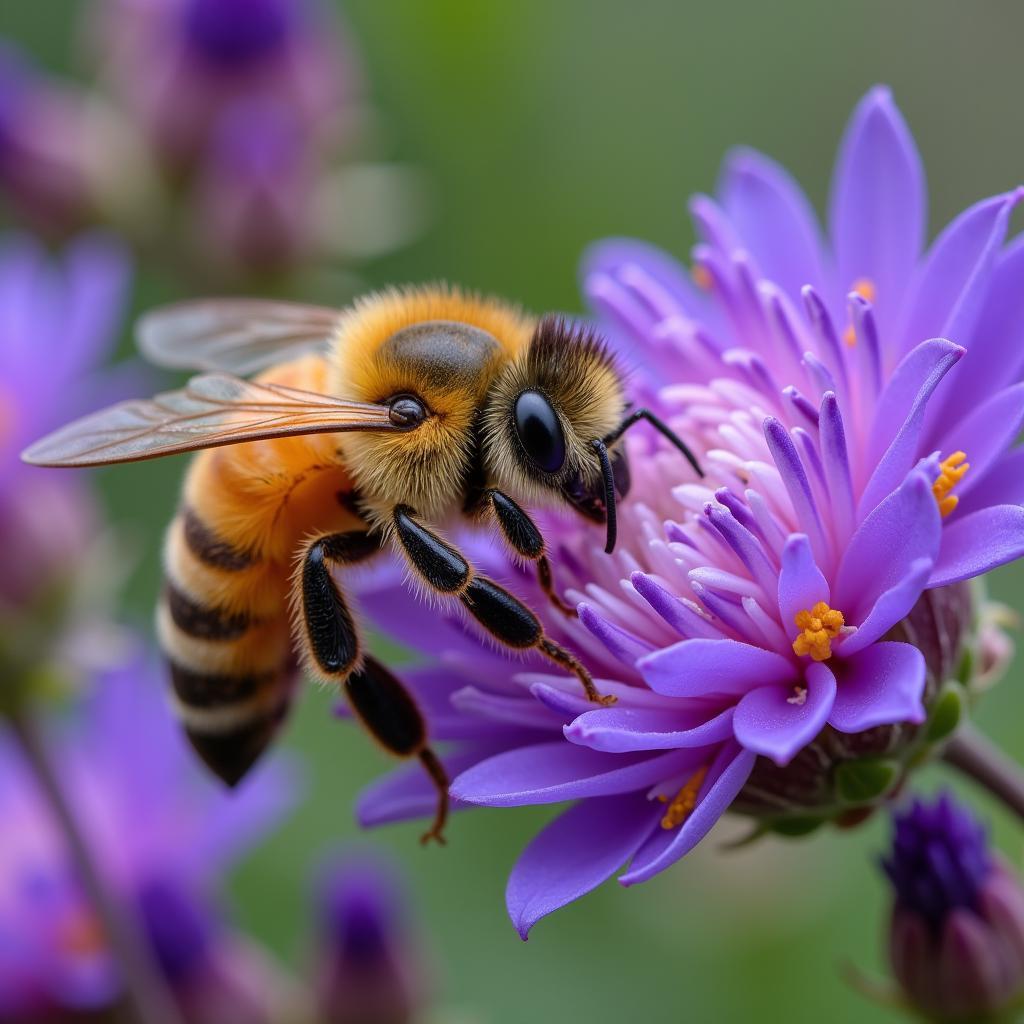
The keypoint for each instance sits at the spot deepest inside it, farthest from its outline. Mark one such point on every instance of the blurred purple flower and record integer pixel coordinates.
(164, 839)
(368, 972)
(180, 65)
(957, 935)
(748, 614)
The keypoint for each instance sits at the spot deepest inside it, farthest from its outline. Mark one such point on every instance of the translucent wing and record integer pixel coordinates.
(212, 409)
(241, 336)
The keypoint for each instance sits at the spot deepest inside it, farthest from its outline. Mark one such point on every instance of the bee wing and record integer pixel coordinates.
(241, 336)
(212, 409)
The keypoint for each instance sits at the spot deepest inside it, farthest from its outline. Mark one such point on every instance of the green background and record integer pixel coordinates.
(542, 126)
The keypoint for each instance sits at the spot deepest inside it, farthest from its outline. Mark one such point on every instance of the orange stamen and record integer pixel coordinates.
(818, 626)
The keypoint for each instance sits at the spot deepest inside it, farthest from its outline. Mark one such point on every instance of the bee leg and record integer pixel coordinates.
(443, 568)
(383, 705)
(522, 534)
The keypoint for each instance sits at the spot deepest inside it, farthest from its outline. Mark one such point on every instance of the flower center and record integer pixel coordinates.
(865, 288)
(951, 471)
(684, 801)
(818, 626)
(701, 277)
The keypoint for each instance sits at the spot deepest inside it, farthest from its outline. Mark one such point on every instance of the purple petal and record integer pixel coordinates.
(681, 615)
(937, 357)
(1003, 485)
(801, 584)
(906, 526)
(881, 685)
(578, 851)
(621, 729)
(878, 203)
(771, 722)
(774, 219)
(978, 542)
(985, 434)
(835, 456)
(725, 779)
(710, 668)
(953, 283)
(889, 608)
(621, 644)
(548, 773)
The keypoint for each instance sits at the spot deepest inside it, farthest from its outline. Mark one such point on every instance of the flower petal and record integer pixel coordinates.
(578, 851)
(623, 729)
(889, 608)
(881, 685)
(769, 721)
(801, 584)
(953, 283)
(709, 668)
(878, 205)
(548, 773)
(1003, 485)
(725, 779)
(979, 542)
(774, 219)
(904, 527)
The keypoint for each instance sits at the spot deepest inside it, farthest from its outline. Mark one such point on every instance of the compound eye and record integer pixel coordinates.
(407, 411)
(540, 431)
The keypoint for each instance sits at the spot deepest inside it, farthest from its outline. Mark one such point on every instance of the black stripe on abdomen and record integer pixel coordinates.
(211, 549)
(208, 690)
(230, 755)
(203, 622)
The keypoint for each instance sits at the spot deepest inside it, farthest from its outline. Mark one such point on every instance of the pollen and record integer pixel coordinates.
(684, 801)
(818, 626)
(951, 471)
(701, 277)
(865, 288)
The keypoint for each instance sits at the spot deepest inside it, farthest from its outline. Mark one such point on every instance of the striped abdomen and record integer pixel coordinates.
(223, 628)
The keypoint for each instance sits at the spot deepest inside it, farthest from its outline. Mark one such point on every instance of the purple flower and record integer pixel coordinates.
(757, 620)
(162, 836)
(957, 934)
(369, 972)
(179, 65)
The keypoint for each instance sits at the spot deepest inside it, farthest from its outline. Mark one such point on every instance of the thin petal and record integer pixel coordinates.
(878, 204)
(548, 773)
(1003, 485)
(774, 219)
(778, 723)
(621, 644)
(953, 284)
(801, 584)
(906, 526)
(623, 729)
(709, 668)
(725, 779)
(573, 855)
(979, 542)
(889, 608)
(881, 685)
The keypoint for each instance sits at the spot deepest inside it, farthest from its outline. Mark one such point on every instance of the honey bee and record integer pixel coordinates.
(363, 429)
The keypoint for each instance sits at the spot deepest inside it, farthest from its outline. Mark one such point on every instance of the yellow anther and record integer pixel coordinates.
(818, 626)
(685, 800)
(702, 277)
(951, 471)
(865, 288)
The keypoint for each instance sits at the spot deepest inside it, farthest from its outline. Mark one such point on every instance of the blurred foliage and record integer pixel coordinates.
(543, 126)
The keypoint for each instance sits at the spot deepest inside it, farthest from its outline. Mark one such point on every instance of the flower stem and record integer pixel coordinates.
(146, 998)
(971, 752)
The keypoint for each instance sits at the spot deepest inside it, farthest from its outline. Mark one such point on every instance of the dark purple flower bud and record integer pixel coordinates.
(368, 972)
(231, 34)
(957, 937)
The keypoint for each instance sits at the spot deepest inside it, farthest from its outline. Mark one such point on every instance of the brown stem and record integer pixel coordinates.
(146, 998)
(973, 753)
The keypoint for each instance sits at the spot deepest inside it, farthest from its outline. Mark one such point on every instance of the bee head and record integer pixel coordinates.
(546, 419)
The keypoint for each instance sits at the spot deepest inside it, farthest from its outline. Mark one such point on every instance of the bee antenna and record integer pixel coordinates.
(663, 428)
(609, 494)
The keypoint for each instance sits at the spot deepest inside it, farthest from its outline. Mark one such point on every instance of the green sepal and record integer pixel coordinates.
(946, 713)
(793, 828)
(865, 780)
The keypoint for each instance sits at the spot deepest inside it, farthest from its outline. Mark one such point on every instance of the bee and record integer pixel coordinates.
(359, 430)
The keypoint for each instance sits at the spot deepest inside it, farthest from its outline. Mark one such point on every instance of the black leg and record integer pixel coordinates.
(526, 540)
(504, 616)
(331, 640)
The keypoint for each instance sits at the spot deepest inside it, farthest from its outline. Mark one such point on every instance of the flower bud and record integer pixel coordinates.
(368, 973)
(956, 942)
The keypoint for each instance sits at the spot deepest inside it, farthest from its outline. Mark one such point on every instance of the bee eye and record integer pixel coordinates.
(407, 411)
(540, 432)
